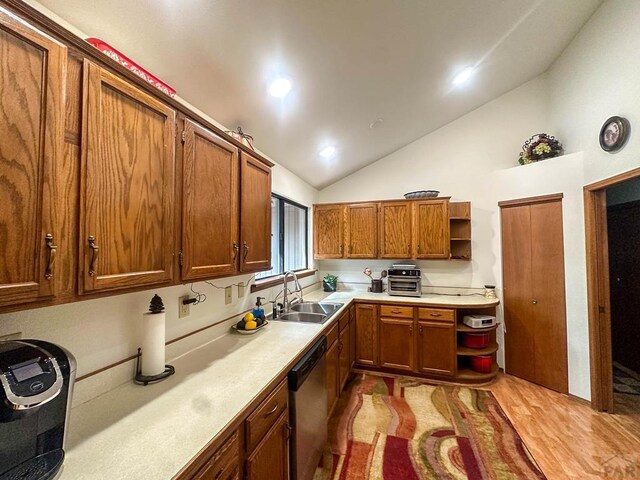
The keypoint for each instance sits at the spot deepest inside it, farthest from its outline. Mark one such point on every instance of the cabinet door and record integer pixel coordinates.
(127, 186)
(362, 230)
(431, 229)
(270, 459)
(224, 464)
(333, 374)
(328, 231)
(255, 215)
(32, 67)
(352, 336)
(367, 334)
(395, 230)
(210, 243)
(396, 343)
(437, 348)
(345, 357)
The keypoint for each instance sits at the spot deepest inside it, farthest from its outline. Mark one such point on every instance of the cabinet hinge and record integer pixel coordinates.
(180, 258)
(184, 136)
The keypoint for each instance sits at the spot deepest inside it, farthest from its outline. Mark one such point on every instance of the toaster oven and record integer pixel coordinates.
(404, 280)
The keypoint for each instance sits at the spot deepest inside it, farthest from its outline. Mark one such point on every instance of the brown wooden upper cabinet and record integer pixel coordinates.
(210, 199)
(328, 231)
(255, 215)
(127, 185)
(32, 67)
(361, 230)
(396, 239)
(431, 229)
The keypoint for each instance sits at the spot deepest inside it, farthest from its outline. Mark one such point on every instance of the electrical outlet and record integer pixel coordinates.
(240, 290)
(184, 310)
(11, 336)
(228, 295)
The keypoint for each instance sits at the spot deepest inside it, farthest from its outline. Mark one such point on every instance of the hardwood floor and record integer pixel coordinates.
(566, 437)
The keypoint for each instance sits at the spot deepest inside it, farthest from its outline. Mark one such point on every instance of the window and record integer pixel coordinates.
(288, 237)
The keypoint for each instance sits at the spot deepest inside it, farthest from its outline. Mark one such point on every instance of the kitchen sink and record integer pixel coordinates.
(310, 312)
(316, 307)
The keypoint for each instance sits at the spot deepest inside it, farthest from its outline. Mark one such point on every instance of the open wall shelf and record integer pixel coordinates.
(460, 230)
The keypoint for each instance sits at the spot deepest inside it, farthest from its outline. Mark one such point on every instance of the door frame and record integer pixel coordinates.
(598, 293)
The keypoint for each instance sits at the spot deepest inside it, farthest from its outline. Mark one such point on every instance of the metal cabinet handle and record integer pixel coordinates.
(395, 311)
(436, 314)
(534, 301)
(340, 345)
(272, 411)
(409, 249)
(341, 249)
(420, 329)
(52, 249)
(236, 249)
(246, 251)
(411, 329)
(95, 249)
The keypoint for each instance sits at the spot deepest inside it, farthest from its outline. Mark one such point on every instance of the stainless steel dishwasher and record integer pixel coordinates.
(308, 401)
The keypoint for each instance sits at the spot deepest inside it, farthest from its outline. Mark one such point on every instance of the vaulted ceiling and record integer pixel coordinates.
(368, 77)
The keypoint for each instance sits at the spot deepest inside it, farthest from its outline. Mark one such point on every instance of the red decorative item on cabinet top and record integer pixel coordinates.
(125, 61)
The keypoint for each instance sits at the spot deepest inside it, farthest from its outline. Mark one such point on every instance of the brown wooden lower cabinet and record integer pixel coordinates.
(344, 364)
(367, 334)
(352, 335)
(333, 369)
(224, 464)
(436, 348)
(396, 344)
(270, 459)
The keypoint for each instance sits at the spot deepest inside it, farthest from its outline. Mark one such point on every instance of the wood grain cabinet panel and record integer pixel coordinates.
(352, 336)
(333, 374)
(362, 230)
(255, 215)
(344, 347)
(32, 78)
(431, 229)
(224, 464)
(210, 199)
(270, 459)
(395, 240)
(328, 231)
(396, 343)
(127, 185)
(436, 348)
(367, 346)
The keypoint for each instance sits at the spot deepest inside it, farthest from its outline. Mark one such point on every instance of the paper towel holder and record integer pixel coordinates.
(147, 379)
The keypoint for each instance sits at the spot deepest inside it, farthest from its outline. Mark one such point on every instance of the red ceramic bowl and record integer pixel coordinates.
(481, 363)
(475, 340)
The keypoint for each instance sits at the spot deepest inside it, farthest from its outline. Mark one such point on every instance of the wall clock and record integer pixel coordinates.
(614, 134)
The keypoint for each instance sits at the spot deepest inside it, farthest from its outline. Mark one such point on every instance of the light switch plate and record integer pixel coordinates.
(240, 290)
(228, 295)
(184, 310)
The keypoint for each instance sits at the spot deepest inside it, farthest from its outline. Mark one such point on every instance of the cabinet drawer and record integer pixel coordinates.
(224, 464)
(332, 335)
(437, 314)
(266, 415)
(396, 311)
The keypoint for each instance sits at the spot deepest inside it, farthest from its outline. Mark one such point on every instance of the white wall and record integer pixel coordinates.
(103, 331)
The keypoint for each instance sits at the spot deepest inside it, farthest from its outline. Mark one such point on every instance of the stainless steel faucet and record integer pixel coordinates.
(298, 289)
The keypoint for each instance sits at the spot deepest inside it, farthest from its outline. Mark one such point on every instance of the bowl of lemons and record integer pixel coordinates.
(249, 324)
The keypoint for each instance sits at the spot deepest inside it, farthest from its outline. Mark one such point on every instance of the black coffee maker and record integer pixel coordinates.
(36, 384)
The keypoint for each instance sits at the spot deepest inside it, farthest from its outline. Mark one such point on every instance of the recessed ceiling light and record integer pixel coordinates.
(280, 87)
(464, 76)
(328, 152)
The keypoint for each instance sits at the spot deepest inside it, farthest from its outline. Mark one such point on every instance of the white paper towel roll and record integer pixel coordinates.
(153, 337)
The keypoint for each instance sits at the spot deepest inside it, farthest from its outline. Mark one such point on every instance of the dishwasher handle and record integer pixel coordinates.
(301, 370)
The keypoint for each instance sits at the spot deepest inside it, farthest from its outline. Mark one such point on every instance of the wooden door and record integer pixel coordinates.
(32, 68)
(431, 229)
(395, 230)
(396, 343)
(333, 374)
(328, 231)
(255, 215)
(548, 289)
(127, 186)
(362, 230)
(534, 291)
(210, 243)
(345, 357)
(270, 459)
(367, 347)
(516, 279)
(436, 348)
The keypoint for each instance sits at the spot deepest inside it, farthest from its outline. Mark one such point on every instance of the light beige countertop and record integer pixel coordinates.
(427, 299)
(135, 432)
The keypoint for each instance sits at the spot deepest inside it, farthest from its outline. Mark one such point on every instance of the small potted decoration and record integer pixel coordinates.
(330, 283)
(539, 147)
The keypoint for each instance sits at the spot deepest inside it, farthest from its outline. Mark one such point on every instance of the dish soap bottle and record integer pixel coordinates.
(258, 311)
